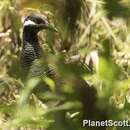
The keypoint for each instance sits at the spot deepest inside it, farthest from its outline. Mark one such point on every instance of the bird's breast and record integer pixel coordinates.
(29, 54)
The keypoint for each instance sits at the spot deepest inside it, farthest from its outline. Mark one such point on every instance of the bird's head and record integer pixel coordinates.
(37, 22)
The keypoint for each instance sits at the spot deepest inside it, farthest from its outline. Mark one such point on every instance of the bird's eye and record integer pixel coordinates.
(40, 21)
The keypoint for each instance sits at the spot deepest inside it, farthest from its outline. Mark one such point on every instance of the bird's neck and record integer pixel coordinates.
(30, 36)
(31, 48)
(30, 44)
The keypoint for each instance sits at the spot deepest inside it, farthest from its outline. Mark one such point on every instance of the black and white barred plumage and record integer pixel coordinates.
(31, 50)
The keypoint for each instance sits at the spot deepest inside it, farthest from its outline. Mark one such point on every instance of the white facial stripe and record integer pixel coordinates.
(29, 22)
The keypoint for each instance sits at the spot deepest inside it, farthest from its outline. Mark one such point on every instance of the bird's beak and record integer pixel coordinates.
(51, 28)
(48, 26)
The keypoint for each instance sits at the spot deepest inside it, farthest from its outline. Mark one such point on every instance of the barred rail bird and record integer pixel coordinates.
(32, 53)
(31, 48)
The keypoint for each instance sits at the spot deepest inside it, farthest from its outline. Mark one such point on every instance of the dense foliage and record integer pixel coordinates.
(83, 26)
